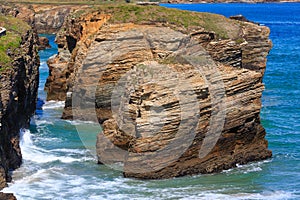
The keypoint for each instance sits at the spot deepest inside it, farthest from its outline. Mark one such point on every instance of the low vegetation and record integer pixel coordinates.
(64, 2)
(121, 12)
(184, 20)
(130, 12)
(11, 41)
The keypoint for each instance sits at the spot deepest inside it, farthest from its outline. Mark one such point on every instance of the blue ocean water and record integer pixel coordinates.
(58, 166)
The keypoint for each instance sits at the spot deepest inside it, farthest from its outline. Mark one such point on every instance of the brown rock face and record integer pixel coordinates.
(7, 196)
(49, 19)
(18, 95)
(171, 101)
(43, 43)
(56, 81)
(46, 18)
(61, 66)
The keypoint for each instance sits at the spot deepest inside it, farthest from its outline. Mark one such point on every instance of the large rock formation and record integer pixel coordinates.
(46, 18)
(19, 78)
(61, 66)
(176, 93)
(49, 18)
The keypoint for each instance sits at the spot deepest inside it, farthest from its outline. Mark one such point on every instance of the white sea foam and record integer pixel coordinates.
(26, 139)
(32, 153)
(43, 65)
(280, 22)
(247, 168)
(276, 195)
(80, 122)
(72, 151)
(53, 105)
(43, 122)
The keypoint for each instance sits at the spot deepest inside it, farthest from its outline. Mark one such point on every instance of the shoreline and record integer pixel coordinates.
(231, 2)
(136, 3)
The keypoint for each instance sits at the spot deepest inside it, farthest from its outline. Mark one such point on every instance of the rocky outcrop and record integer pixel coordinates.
(49, 18)
(18, 94)
(7, 196)
(46, 18)
(172, 99)
(61, 66)
(43, 43)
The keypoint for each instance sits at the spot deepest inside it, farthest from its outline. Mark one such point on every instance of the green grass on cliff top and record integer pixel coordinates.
(184, 20)
(129, 12)
(15, 28)
(64, 2)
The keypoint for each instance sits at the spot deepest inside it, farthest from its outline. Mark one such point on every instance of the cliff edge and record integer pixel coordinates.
(19, 78)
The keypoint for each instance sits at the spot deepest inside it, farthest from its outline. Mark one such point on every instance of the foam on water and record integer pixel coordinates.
(43, 65)
(248, 168)
(71, 151)
(32, 153)
(277, 195)
(26, 139)
(53, 105)
(280, 22)
(79, 122)
(41, 122)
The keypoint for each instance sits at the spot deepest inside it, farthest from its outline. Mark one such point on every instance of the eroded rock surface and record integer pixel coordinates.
(190, 99)
(7, 196)
(46, 18)
(18, 94)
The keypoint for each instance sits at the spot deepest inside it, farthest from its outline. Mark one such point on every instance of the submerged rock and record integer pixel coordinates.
(43, 43)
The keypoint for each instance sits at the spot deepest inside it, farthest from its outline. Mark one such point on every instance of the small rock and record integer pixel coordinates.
(242, 18)
(43, 43)
(7, 196)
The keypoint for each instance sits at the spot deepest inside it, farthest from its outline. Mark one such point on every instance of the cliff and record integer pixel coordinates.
(175, 92)
(46, 18)
(19, 78)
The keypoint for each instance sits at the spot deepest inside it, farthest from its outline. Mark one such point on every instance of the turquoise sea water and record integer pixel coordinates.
(58, 166)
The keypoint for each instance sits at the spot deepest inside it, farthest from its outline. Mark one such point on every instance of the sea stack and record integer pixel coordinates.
(176, 92)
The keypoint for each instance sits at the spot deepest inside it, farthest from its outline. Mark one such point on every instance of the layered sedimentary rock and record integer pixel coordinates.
(46, 18)
(18, 93)
(173, 99)
(49, 18)
(61, 66)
